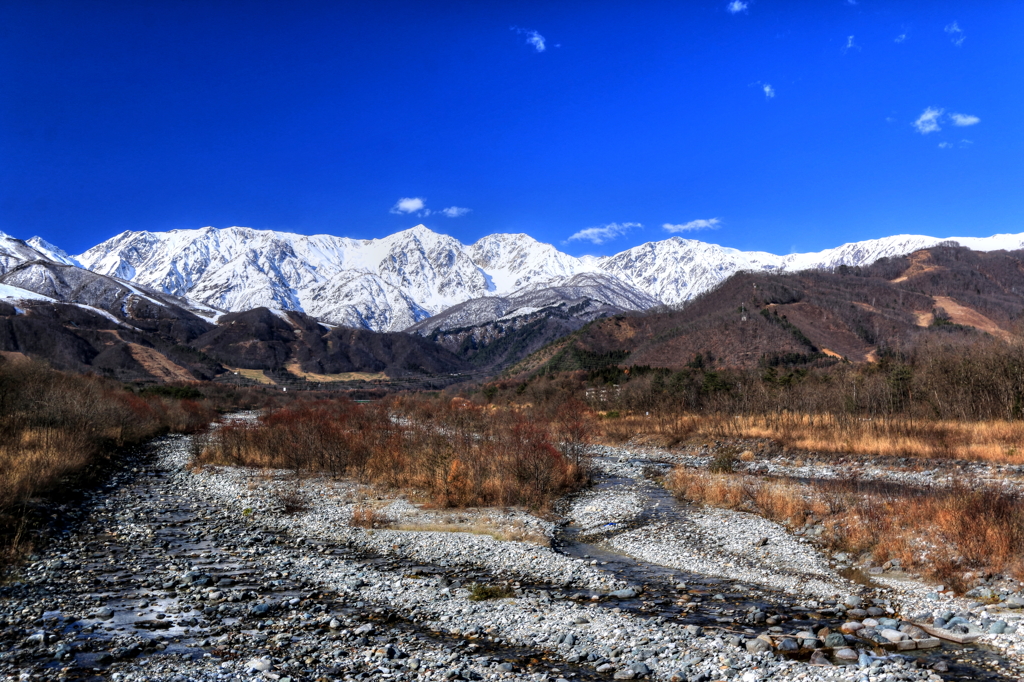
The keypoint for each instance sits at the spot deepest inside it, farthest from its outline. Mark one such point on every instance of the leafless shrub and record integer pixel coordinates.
(459, 453)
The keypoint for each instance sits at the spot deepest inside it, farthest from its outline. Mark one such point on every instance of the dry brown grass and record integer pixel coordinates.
(997, 442)
(940, 533)
(457, 453)
(57, 428)
(365, 516)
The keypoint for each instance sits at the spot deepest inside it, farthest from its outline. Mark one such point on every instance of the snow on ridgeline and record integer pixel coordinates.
(394, 282)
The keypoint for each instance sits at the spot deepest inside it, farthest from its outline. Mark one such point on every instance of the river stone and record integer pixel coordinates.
(624, 674)
(997, 628)
(789, 644)
(627, 593)
(259, 665)
(846, 654)
(893, 635)
(853, 601)
(105, 613)
(851, 627)
(818, 658)
(875, 612)
(757, 646)
(640, 668)
(913, 631)
(835, 640)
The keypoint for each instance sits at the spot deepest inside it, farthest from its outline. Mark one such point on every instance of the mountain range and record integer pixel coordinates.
(809, 318)
(396, 282)
(199, 303)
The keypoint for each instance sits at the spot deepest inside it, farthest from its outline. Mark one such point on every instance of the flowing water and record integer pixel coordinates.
(725, 605)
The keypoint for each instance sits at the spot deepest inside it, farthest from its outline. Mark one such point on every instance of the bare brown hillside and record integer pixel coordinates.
(816, 316)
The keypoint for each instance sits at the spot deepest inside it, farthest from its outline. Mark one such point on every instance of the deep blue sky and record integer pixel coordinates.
(319, 117)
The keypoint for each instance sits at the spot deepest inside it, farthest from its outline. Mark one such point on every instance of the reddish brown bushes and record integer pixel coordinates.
(54, 426)
(458, 453)
(940, 532)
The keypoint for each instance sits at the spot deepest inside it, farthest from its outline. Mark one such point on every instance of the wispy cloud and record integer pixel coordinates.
(694, 225)
(599, 235)
(928, 122)
(411, 205)
(900, 38)
(945, 145)
(850, 45)
(533, 38)
(769, 91)
(956, 34)
(964, 119)
(735, 7)
(455, 211)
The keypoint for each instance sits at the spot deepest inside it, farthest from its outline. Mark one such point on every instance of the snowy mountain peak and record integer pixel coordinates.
(52, 252)
(396, 281)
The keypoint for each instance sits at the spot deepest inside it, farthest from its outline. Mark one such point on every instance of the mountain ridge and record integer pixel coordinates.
(398, 281)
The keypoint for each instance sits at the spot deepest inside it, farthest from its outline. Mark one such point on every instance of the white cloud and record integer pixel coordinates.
(455, 211)
(599, 235)
(964, 119)
(900, 38)
(956, 34)
(928, 122)
(769, 91)
(533, 38)
(693, 225)
(850, 44)
(735, 7)
(410, 205)
(945, 145)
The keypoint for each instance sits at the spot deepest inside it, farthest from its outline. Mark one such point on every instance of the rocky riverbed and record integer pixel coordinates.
(221, 574)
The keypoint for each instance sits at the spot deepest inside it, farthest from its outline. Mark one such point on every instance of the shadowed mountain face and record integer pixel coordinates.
(812, 316)
(81, 321)
(494, 332)
(78, 320)
(275, 341)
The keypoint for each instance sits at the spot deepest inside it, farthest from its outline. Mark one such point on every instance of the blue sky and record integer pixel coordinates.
(767, 125)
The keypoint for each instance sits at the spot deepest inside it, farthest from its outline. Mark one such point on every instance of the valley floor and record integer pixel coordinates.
(229, 574)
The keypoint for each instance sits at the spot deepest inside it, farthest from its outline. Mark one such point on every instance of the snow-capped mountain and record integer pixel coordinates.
(591, 292)
(14, 252)
(381, 284)
(397, 281)
(675, 270)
